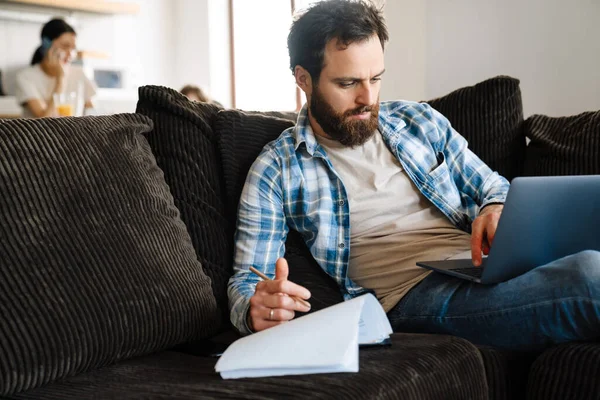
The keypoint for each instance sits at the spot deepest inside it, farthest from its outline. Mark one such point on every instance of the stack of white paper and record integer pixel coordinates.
(324, 341)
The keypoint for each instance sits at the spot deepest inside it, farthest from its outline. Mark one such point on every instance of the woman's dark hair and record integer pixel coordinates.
(53, 29)
(345, 20)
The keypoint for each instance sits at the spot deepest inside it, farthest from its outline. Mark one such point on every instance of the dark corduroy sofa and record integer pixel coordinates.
(115, 283)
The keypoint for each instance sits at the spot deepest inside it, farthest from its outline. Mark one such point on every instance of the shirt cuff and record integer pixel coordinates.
(245, 316)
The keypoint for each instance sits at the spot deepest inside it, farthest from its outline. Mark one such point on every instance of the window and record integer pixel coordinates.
(261, 73)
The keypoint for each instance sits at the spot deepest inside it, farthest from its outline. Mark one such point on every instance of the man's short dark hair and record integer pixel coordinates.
(348, 21)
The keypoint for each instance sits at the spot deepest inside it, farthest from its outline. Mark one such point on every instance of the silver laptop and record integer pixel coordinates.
(544, 219)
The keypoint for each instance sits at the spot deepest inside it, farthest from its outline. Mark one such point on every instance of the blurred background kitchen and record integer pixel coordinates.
(235, 50)
(122, 45)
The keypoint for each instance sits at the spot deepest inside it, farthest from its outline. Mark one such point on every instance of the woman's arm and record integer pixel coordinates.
(44, 108)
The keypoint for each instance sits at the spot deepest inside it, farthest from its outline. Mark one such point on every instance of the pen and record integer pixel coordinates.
(266, 278)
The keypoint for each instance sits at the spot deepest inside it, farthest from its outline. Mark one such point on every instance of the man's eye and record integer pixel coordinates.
(346, 85)
(375, 80)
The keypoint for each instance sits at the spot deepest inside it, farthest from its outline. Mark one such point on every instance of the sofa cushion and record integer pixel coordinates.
(414, 367)
(186, 150)
(489, 115)
(96, 264)
(242, 136)
(305, 271)
(568, 371)
(506, 372)
(563, 145)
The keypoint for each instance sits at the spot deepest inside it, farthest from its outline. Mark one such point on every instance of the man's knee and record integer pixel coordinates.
(586, 266)
(587, 258)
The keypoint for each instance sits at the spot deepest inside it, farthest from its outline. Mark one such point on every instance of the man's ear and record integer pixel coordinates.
(303, 80)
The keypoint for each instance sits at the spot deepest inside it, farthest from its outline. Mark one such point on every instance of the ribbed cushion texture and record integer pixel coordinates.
(242, 136)
(422, 367)
(489, 115)
(305, 271)
(563, 145)
(185, 148)
(506, 372)
(567, 371)
(289, 115)
(96, 264)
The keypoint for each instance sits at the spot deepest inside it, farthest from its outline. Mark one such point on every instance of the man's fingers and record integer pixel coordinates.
(262, 324)
(279, 314)
(286, 287)
(482, 236)
(277, 301)
(281, 269)
(266, 317)
(485, 248)
(490, 230)
(476, 242)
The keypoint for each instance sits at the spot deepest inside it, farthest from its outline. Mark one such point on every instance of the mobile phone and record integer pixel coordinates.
(46, 45)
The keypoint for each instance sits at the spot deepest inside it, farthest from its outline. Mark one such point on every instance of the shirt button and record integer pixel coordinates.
(341, 202)
(341, 245)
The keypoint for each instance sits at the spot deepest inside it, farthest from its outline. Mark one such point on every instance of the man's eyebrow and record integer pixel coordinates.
(354, 79)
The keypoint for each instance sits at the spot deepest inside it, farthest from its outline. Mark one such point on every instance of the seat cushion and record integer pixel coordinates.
(414, 367)
(568, 371)
(96, 266)
(506, 372)
(490, 116)
(185, 148)
(563, 145)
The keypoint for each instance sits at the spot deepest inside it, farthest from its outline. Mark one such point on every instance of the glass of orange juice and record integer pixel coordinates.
(65, 103)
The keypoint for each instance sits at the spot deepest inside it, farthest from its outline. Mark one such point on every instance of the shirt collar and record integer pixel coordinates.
(304, 134)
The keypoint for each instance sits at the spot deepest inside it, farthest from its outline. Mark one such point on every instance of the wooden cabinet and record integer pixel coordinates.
(94, 6)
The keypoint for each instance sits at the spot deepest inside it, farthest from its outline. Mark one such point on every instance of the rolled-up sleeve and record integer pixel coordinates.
(260, 234)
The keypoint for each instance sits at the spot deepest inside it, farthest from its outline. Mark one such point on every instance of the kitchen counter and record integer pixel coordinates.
(9, 107)
(106, 101)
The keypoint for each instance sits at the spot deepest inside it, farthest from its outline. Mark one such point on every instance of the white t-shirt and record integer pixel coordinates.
(392, 225)
(33, 83)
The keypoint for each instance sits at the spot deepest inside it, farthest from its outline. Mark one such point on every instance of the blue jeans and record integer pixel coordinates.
(555, 303)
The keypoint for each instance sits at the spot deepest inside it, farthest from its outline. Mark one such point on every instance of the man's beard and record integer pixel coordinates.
(349, 132)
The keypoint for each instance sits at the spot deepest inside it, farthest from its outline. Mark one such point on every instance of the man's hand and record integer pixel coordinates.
(271, 303)
(483, 231)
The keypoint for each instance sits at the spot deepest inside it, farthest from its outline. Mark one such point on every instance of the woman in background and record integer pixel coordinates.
(51, 75)
(194, 93)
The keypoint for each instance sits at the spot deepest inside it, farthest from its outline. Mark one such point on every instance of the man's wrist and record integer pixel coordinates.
(248, 320)
(490, 207)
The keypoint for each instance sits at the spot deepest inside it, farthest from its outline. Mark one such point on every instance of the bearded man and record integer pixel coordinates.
(373, 187)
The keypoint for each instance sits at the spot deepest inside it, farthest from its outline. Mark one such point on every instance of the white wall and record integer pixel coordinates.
(219, 53)
(552, 46)
(405, 53)
(191, 45)
(201, 47)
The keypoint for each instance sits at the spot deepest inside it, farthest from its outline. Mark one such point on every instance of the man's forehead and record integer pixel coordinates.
(341, 59)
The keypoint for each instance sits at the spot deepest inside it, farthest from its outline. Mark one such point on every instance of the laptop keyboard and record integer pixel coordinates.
(475, 272)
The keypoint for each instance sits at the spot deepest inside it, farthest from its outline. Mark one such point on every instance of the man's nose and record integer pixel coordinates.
(366, 94)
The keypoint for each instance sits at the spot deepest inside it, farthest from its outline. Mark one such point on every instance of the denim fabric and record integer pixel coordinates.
(555, 303)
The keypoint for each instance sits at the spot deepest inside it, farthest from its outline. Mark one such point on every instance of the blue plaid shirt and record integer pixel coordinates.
(292, 184)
